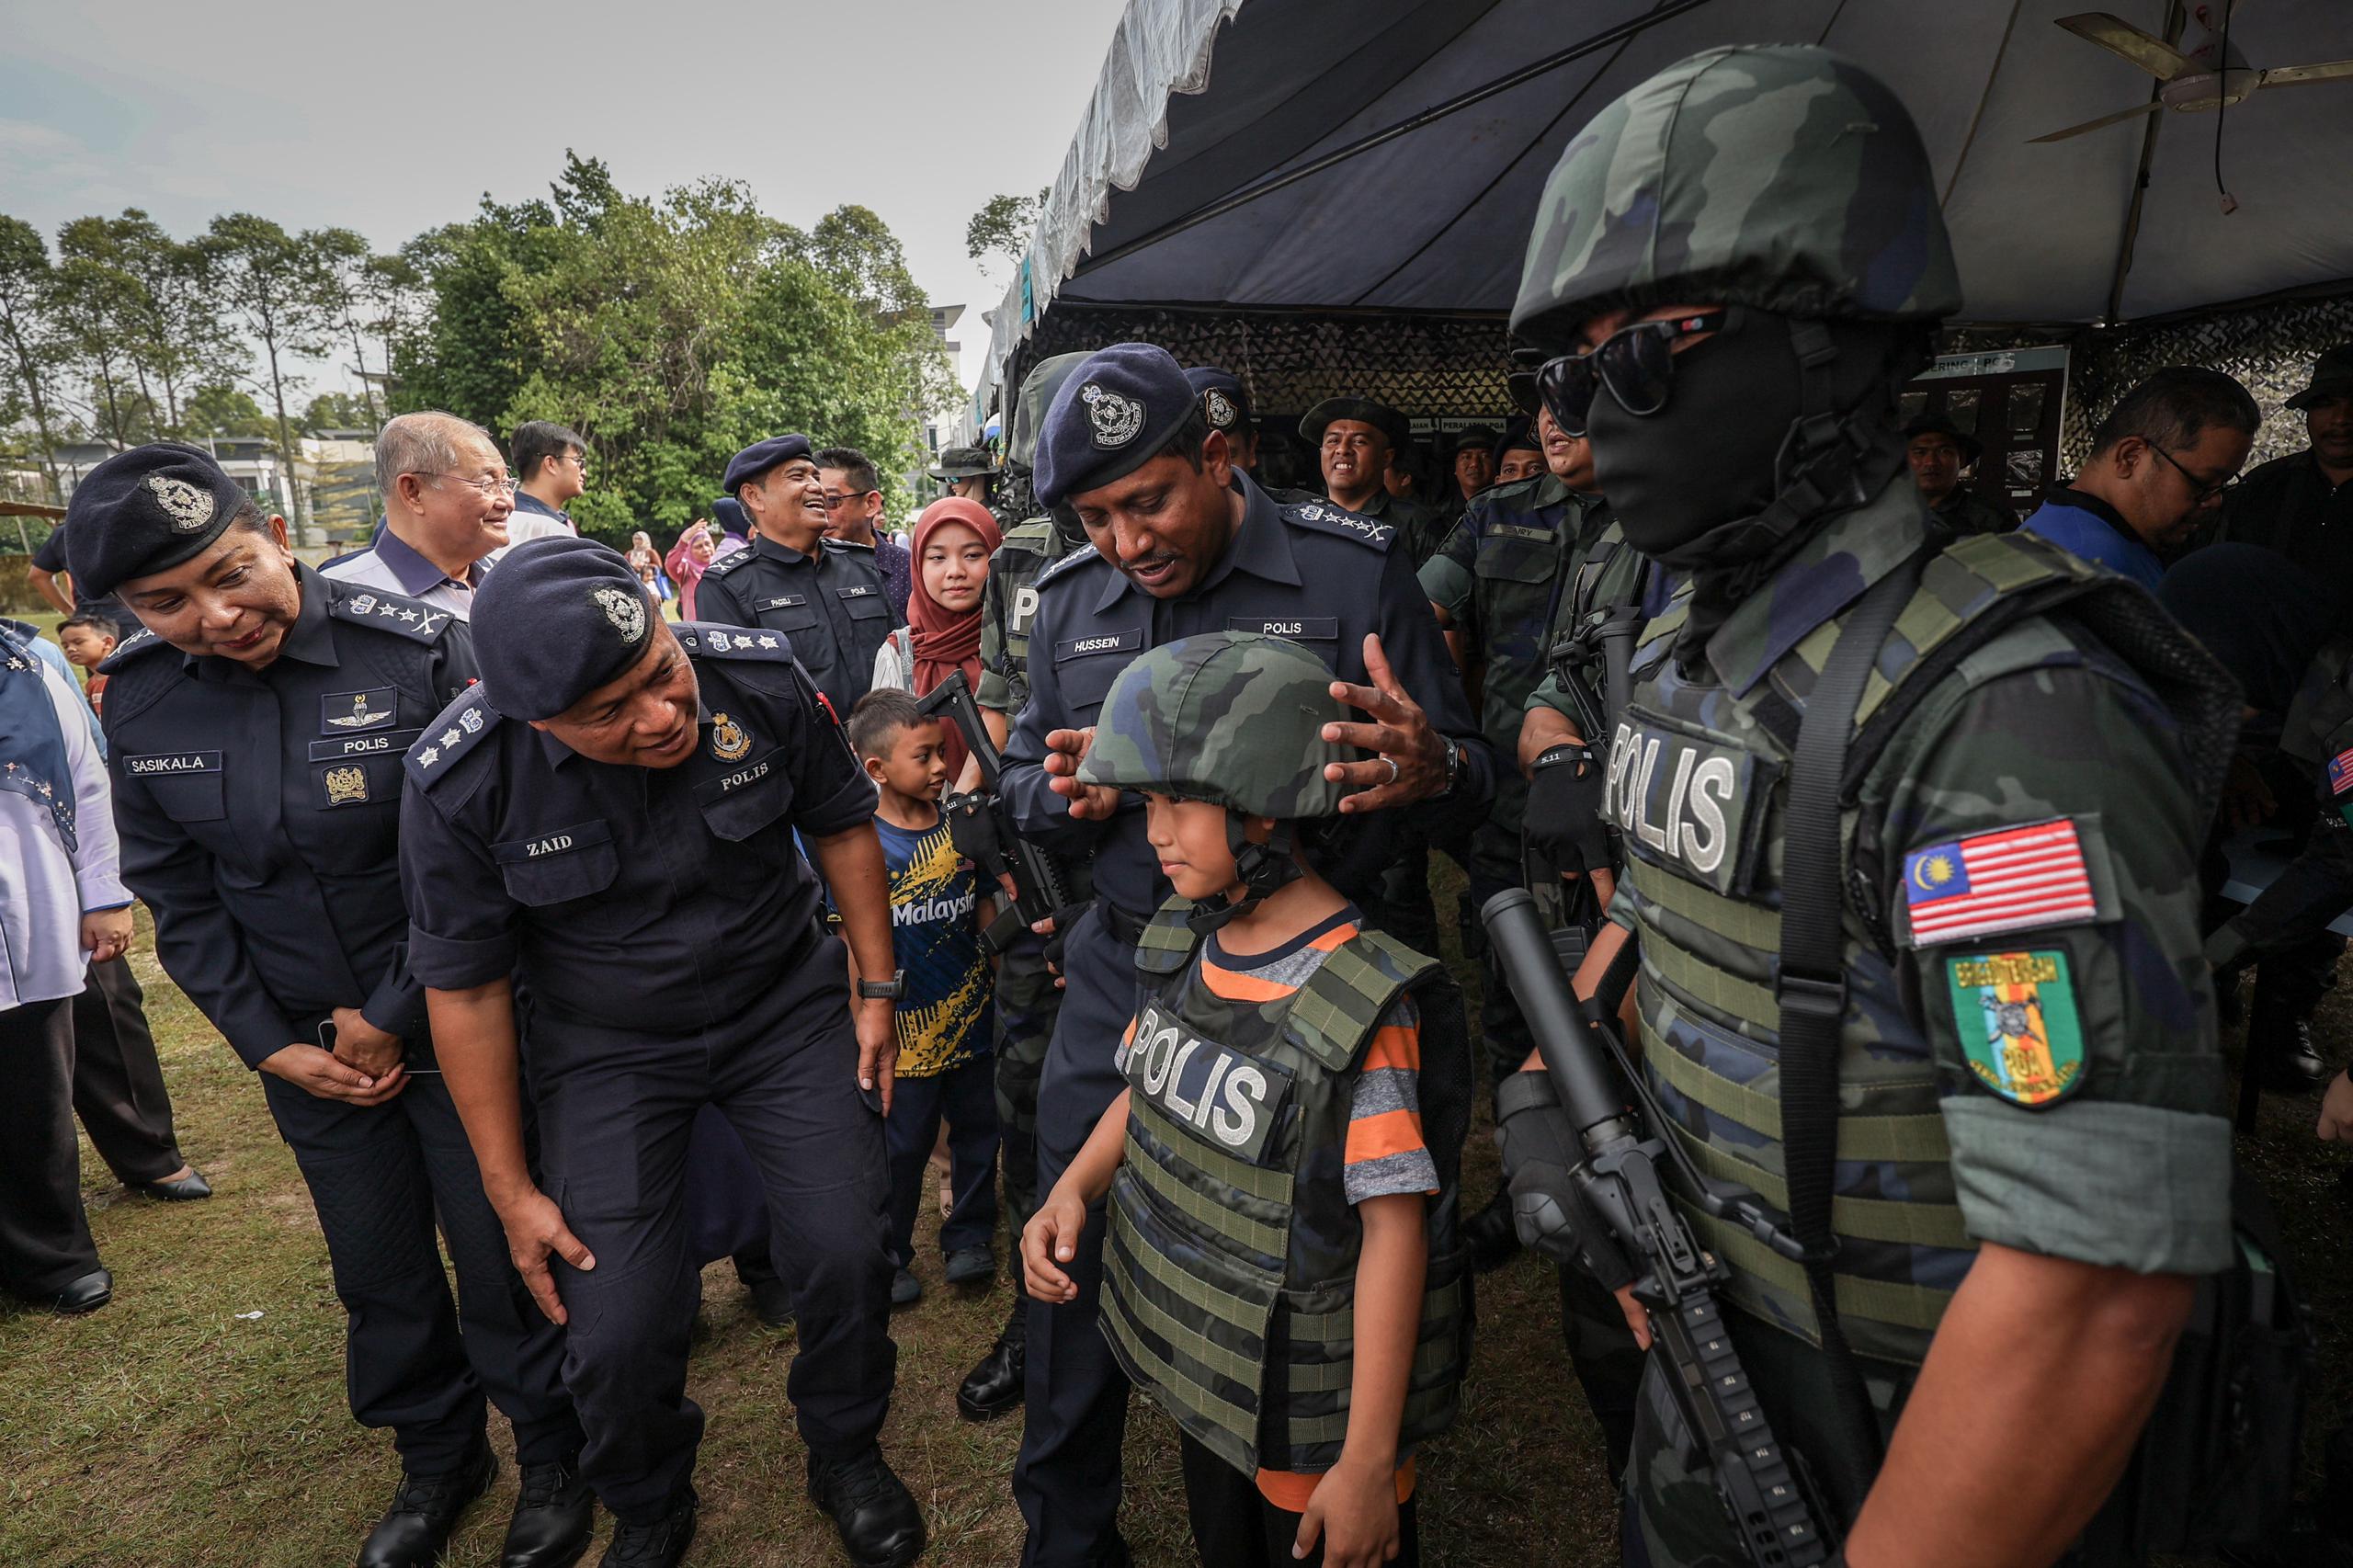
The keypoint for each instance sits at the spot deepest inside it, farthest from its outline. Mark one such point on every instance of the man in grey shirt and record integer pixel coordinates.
(446, 501)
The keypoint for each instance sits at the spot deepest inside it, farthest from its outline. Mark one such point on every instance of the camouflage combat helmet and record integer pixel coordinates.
(1038, 389)
(1232, 717)
(1776, 176)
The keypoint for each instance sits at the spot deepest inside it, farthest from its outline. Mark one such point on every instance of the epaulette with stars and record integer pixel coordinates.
(1078, 557)
(721, 566)
(456, 730)
(140, 642)
(732, 642)
(388, 613)
(1325, 517)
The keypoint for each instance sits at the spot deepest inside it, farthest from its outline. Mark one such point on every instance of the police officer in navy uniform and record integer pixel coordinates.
(256, 729)
(826, 596)
(1179, 543)
(611, 816)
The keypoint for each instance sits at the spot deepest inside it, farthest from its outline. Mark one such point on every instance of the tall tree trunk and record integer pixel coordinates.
(114, 405)
(285, 431)
(30, 375)
(367, 387)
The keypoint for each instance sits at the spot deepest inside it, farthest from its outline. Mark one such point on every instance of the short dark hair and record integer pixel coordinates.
(2173, 406)
(102, 624)
(537, 440)
(876, 719)
(855, 467)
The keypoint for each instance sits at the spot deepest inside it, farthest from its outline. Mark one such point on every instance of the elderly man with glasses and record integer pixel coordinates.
(446, 501)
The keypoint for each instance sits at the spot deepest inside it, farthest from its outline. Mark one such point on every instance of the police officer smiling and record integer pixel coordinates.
(255, 728)
(610, 816)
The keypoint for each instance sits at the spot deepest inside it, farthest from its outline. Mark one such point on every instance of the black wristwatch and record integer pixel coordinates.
(1453, 767)
(889, 990)
(1564, 750)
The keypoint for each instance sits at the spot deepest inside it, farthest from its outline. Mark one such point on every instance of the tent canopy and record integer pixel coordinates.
(1290, 154)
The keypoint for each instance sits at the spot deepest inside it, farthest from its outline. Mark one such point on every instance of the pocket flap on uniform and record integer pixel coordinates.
(560, 864)
(746, 799)
(187, 785)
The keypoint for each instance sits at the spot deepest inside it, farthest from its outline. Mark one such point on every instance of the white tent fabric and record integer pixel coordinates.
(1202, 102)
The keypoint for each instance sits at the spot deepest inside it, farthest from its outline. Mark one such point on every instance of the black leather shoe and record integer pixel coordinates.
(771, 1302)
(881, 1525)
(553, 1519)
(2286, 1061)
(662, 1544)
(995, 1386)
(906, 1288)
(187, 1190)
(425, 1511)
(87, 1294)
(970, 1265)
(1489, 1234)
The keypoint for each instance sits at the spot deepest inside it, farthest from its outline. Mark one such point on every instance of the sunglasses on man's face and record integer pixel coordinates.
(1636, 363)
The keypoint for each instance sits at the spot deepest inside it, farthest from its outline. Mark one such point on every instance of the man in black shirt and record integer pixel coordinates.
(2301, 505)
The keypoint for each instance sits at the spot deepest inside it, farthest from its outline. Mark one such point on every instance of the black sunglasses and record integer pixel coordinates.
(1636, 363)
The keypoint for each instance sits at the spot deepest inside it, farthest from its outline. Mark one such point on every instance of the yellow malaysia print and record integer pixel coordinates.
(928, 901)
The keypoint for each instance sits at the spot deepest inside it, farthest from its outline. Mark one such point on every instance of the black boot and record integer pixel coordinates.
(425, 1511)
(995, 1386)
(553, 1517)
(662, 1544)
(881, 1525)
(1490, 1236)
(2280, 1044)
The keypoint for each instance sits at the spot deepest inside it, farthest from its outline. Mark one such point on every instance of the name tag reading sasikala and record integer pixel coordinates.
(156, 765)
(1230, 1100)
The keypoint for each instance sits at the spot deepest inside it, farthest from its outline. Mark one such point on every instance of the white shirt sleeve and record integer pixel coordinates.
(98, 864)
(894, 667)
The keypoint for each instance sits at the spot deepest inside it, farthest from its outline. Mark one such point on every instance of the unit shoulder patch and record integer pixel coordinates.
(2019, 1032)
(456, 730)
(732, 642)
(412, 619)
(1325, 517)
(2010, 878)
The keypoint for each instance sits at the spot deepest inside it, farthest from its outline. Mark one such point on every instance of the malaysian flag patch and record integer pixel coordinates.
(2340, 773)
(2013, 879)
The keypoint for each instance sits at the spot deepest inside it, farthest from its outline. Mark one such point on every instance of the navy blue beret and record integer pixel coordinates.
(728, 513)
(761, 456)
(1364, 410)
(145, 511)
(1224, 398)
(1113, 416)
(1519, 436)
(556, 618)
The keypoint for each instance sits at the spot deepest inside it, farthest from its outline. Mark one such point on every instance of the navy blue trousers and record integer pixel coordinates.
(965, 1095)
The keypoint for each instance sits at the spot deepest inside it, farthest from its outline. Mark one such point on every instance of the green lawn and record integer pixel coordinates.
(199, 1422)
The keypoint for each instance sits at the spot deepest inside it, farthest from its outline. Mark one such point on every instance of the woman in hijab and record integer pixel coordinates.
(953, 542)
(687, 560)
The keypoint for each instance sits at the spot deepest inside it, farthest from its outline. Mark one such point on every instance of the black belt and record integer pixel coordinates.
(1128, 928)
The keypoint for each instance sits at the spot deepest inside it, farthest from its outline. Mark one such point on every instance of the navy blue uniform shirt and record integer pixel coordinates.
(1312, 572)
(259, 810)
(831, 604)
(665, 899)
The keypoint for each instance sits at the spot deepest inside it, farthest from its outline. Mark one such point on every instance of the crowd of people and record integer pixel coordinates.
(1087, 856)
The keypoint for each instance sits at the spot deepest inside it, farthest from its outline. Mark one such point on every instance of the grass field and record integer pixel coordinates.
(199, 1422)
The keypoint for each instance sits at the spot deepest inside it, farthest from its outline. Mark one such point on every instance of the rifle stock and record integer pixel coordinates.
(1039, 888)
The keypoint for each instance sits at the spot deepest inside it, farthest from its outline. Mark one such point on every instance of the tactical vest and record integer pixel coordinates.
(1230, 1261)
(1024, 554)
(1696, 786)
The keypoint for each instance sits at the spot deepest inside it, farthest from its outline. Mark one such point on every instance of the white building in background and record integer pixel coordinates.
(327, 494)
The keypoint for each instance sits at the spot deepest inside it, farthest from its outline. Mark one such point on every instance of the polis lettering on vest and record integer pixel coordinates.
(1694, 826)
(1210, 1088)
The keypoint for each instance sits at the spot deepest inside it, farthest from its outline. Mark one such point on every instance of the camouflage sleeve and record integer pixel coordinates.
(2312, 891)
(1446, 577)
(997, 688)
(2048, 922)
(1550, 692)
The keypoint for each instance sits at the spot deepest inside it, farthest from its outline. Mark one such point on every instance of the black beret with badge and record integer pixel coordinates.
(1363, 410)
(1225, 402)
(557, 618)
(146, 511)
(1116, 413)
(761, 456)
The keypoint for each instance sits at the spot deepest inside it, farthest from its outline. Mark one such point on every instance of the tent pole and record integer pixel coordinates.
(2174, 19)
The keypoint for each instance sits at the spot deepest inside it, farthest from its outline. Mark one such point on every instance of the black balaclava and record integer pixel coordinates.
(1772, 423)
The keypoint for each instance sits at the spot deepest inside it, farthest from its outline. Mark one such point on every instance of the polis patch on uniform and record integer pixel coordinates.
(1685, 802)
(1230, 1100)
(357, 710)
(1297, 628)
(728, 740)
(2016, 1015)
(2012, 879)
(381, 742)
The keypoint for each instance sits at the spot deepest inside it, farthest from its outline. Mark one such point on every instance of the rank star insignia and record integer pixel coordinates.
(728, 740)
(451, 737)
(2016, 1013)
(625, 611)
(1115, 420)
(188, 508)
(345, 785)
(767, 640)
(429, 757)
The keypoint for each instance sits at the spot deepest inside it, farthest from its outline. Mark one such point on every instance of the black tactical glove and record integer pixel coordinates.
(1063, 918)
(971, 828)
(1548, 1209)
(1564, 824)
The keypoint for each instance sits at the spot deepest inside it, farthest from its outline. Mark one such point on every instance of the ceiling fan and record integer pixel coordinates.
(2206, 76)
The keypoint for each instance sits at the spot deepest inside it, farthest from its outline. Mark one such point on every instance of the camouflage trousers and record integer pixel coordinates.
(1026, 1004)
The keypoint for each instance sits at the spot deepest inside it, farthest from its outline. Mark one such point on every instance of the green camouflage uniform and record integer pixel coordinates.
(1966, 512)
(2316, 886)
(2043, 1075)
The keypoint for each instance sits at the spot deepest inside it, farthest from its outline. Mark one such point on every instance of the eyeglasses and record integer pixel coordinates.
(2200, 492)
(836, 503)
(492, 489)
(1636, 363)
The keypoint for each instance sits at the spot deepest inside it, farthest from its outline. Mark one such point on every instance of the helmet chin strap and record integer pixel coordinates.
(1261, 868)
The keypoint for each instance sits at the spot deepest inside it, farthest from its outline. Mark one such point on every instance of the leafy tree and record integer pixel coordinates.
(172, 322)
(1000, 229)
(267, 276)
(218, 409)
(344, 283)
(94, 304)
(340, 411)
(28, 334)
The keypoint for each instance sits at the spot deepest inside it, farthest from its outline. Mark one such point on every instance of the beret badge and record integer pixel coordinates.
(625, 611)
(1116, 420)
(1219, 409)
(189, 507)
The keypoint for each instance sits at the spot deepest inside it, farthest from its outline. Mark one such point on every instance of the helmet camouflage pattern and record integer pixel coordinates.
(1776, 176)
(1038, 389)
(1232, 717)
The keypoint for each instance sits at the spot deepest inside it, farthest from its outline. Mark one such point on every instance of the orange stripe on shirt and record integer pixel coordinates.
(1232, 986)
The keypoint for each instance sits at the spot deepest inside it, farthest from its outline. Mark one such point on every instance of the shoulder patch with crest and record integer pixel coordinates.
(2016, 1015)
(411, 617)
(1322, 517)
(456, 730)
(732, 642)
(1068, 563)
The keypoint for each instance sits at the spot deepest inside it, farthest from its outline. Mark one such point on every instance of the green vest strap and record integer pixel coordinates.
(1915, 1307)
(1167, 943)
(1711, 987)
(1866, 1219)
(1860, 1138)
(1335, 1013)
(1270, 1241)
(1750, 924)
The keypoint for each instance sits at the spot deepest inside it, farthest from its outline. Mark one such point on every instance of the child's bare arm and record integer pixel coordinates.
(1354, 1505)
(1050, 1239)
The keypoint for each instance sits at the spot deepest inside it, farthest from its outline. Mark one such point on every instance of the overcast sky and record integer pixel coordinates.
(393, 116)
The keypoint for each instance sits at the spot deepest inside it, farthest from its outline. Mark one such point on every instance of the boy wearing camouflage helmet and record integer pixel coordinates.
(1281, 1276)
(1912, 826)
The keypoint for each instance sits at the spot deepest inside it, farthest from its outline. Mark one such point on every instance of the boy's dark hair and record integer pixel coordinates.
(855, 466)
(537, 441)
(876, 719)
(2173, 406)
(92, 620)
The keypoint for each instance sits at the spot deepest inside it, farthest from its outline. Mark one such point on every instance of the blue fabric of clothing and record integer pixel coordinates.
(2092, 528)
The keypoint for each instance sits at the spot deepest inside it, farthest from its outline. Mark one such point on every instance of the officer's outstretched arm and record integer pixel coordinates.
(851, 863)
(2036, 1355)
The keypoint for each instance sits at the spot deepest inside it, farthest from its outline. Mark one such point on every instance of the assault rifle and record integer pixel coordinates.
(981, 825)
(1621, 1180)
